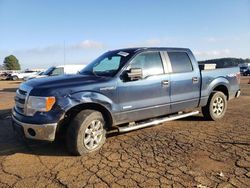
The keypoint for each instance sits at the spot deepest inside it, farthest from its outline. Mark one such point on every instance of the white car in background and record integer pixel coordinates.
(57, 70)
(33, 76)
(21, 75)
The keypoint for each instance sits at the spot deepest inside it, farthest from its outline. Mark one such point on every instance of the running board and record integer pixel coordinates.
(155, 122)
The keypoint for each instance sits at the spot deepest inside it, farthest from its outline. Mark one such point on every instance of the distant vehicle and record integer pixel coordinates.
(58, 70)
(20, 75)
(246, 73)
(124, 89)
(243, 69)
(4, 74)
(33, 76)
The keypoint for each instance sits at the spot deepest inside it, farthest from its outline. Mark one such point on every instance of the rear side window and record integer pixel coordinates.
(149, 62)
(180, 62)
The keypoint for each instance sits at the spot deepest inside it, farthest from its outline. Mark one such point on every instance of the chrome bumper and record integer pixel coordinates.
(36, 131)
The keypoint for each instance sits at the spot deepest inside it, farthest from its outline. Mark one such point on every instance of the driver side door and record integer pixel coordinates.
(147, 97)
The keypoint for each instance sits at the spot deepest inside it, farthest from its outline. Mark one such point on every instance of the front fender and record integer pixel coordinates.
(69, 101)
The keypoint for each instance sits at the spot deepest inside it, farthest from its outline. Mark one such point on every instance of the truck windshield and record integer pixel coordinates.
(48, 71)
(108, 64)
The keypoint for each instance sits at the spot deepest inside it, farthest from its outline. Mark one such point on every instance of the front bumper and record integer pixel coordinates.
(45, 132)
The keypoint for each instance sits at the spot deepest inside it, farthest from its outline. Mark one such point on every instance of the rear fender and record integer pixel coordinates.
(221, 81)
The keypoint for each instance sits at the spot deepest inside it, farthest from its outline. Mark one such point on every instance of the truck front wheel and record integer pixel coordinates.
(216, 106)
(14, 78)
(86, 132)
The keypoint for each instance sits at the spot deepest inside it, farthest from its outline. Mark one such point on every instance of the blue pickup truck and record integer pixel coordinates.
(123, 90)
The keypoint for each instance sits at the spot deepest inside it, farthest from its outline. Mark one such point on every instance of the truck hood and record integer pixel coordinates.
(63, 81)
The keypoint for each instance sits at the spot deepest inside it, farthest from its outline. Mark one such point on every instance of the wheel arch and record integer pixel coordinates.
(222, 88)
(73, 111)
(219, 84)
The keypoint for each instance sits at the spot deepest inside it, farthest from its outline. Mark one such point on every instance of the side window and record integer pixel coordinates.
(180, 62)
(57, 71)
(149, 62)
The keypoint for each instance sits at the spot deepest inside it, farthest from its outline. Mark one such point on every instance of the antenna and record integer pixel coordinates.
(64, 52)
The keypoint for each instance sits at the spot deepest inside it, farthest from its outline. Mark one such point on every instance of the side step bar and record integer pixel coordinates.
(155, 122)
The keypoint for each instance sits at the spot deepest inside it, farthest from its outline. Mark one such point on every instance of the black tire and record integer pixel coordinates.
(81, 129)
(14, 78)
(215, 110)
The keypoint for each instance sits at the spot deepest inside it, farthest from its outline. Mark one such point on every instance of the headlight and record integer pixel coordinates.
(41, 104)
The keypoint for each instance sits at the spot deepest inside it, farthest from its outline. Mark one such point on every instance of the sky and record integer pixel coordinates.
(43, 33)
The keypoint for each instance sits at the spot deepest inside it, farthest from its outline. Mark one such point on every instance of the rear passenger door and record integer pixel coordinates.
(184, 81)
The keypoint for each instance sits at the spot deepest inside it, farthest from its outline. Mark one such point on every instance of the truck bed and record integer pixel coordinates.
(210, 78)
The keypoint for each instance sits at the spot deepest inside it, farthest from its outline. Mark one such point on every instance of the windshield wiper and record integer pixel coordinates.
(93, 72)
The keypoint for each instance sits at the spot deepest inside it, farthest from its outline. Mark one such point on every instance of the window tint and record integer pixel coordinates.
(57, 71)
(180, 62)
(108, 64)
(149, 62)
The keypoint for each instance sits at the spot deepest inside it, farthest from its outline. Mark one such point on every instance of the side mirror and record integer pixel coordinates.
(134, 74)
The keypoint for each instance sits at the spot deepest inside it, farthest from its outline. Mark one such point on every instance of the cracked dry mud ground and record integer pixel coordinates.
(186, 153)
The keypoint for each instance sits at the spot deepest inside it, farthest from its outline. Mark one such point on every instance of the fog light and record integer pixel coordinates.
(31, 132)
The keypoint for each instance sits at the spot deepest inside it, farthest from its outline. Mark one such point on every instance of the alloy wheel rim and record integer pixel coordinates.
(218, 106)
(93, 134)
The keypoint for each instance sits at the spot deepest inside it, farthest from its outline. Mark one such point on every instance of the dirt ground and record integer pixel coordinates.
(186, 153)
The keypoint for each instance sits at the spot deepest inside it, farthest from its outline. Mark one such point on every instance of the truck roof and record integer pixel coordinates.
(151, 48)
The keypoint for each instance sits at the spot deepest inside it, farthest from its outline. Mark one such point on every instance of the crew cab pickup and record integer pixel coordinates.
(123, 90)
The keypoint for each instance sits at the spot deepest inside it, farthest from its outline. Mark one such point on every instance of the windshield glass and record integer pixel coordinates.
(108, 64)
(40, 73)
(48, 71)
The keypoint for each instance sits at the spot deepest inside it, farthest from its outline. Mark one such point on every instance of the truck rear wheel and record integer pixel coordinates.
(216, 106)
(86, 132)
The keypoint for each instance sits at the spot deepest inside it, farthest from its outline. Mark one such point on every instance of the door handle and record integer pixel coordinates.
(164, 83)
(195, 80)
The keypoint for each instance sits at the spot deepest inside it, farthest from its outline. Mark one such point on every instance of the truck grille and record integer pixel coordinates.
(20, 100)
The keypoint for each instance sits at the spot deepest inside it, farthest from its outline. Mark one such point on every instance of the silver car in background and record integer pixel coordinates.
(57, 70)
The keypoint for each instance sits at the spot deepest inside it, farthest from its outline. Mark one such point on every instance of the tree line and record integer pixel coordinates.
(11, 63)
